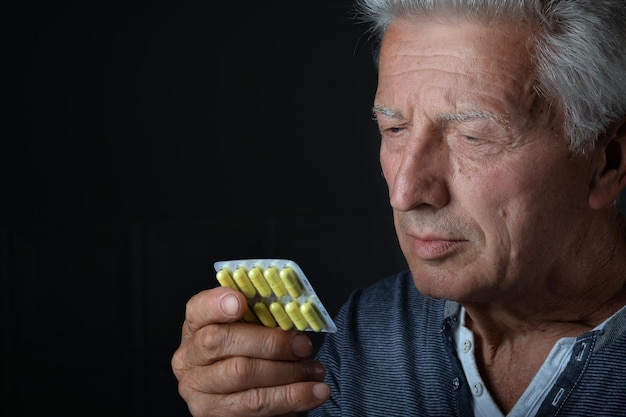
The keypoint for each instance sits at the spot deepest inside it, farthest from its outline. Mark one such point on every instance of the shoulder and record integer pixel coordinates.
(390, 309)
(393, 297)
(387, 334)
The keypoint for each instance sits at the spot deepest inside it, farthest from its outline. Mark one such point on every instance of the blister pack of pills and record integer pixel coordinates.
(278, 294)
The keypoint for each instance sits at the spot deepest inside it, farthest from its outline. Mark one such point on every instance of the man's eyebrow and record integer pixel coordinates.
(388, 112)
(473, 114)
(445, 117)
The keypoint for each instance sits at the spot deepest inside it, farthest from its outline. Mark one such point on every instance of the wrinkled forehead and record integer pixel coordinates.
(456, 61)
(524, 28)
(434, 35)
(486, 12)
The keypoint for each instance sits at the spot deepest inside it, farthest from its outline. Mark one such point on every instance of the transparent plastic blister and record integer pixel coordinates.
(278, 293)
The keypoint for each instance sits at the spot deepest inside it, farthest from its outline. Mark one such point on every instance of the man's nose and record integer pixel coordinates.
(421, 179)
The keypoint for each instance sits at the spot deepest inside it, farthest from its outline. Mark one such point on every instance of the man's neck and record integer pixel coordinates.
(513, 337)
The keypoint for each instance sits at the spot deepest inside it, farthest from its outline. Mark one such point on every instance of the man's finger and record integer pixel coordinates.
(242, 373)
(298, 397)
(217, 305)
(222, 341)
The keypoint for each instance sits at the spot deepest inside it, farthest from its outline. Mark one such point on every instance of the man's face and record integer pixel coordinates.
(487, 199)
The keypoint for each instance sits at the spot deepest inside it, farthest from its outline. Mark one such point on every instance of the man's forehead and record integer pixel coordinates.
(460, 71)
(406, 41)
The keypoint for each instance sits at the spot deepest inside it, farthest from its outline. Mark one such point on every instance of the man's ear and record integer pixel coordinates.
(610, 173)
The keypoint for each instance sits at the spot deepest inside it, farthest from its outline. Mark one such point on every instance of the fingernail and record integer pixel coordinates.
(230, 305)
(321, 391)
(302, 346)
(318, 372)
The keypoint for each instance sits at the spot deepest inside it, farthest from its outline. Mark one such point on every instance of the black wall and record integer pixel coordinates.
(144, 141)
(141, 142)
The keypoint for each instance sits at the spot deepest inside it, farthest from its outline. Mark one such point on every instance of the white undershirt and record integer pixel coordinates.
(535, 393)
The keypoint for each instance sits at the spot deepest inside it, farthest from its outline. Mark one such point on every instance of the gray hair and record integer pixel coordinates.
(579, 56)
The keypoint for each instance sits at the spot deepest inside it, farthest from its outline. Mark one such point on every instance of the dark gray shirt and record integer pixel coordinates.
(393, 355)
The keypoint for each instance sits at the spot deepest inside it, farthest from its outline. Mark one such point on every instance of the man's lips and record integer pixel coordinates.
(433, 248)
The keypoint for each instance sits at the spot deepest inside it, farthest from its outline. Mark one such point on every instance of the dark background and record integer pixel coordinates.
(141, 143)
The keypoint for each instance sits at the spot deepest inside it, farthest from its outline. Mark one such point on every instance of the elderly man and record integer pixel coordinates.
(504, 148)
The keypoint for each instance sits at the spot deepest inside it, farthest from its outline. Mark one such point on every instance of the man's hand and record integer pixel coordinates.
(229, 368)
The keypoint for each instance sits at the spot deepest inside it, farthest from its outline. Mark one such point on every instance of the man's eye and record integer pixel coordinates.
(393, 130)
(472, 138)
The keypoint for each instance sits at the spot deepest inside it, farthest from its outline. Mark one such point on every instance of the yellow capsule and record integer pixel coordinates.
(293, 311)
(312, 317)
(281, 317)
(289, 277)
(225, 279)
(271, 275)
(250, 317)
(242, 280)
(256, 276)
(264, 315)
